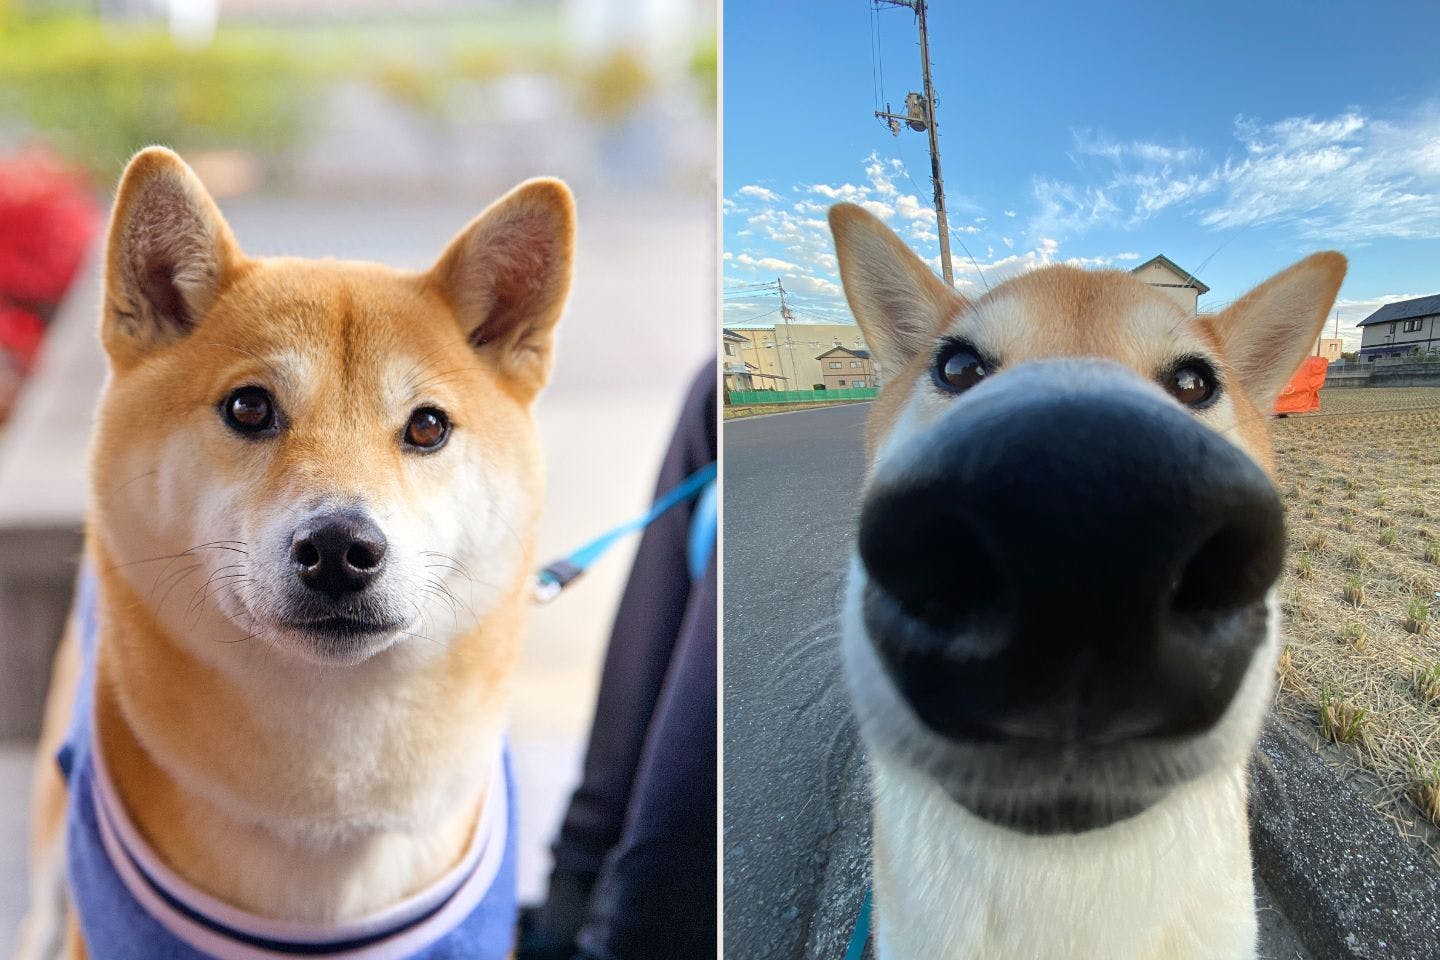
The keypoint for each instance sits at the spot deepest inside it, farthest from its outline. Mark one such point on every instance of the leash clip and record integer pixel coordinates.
(545, 590)
(550, 581)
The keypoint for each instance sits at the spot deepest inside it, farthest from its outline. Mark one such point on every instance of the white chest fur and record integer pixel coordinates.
(1173, 882)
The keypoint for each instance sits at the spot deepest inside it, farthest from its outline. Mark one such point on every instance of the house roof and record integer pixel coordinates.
(1404, 310)
(734, 337)
(862, 354)
(1190, 279)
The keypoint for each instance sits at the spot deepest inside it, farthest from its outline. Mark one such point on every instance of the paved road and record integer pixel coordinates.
(796, 825)
(796, 812)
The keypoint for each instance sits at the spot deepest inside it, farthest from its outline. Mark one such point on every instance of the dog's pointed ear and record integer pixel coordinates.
(506, 276)
(168, 256)
(898, 301)
(1267, 333)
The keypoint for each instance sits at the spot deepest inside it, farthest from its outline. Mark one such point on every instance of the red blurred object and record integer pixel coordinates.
(1302, 393)
(20, 334)
(47, 219)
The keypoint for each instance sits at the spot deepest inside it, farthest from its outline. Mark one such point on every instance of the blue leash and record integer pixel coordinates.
(861, 933)
(559, 574)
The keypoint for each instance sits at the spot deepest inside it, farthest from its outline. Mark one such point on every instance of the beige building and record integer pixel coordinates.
(1162, 272)
(784, 356)
(845, 369)
(740, 375)
(1329, 348)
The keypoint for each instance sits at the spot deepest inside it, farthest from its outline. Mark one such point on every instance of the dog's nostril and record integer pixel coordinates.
(364, 556)
(1234, 567)
(305, 554)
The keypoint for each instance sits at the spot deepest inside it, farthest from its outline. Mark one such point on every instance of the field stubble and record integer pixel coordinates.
(1361, 663)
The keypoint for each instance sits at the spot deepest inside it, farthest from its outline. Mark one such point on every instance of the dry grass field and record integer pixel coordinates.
(1361, 663)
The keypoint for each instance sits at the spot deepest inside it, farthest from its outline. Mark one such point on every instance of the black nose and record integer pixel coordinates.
(1069, 556)
(338, 552)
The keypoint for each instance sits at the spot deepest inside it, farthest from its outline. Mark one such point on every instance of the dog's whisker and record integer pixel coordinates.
(188, 571)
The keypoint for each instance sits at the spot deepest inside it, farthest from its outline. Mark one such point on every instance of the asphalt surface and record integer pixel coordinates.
(796, 820)
(796, 816)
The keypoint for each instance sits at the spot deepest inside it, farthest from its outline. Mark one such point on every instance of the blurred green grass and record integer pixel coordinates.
(100, 91)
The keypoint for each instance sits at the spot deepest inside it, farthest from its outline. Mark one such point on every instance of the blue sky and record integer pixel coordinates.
(1233, 137)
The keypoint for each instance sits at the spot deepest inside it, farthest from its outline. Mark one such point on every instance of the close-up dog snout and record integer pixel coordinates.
(1071, 557)
(338, 552)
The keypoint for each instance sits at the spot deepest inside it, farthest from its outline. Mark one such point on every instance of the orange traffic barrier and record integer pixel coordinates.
(1302, 393)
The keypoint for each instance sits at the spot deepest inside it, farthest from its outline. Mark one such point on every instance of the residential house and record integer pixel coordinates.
(739, 373)
(1401, 328)
(1179, 284)
(1330, 348)
(846, 369)
(786, 351)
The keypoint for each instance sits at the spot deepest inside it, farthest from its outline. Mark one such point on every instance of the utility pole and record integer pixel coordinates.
(922, 117)
(787, 316)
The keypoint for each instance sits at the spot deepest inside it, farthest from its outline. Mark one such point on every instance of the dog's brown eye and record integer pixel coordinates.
(1193, 384)
(958, 368)
(427, 428)
(250, 410)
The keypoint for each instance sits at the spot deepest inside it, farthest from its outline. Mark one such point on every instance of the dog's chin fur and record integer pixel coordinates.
(335, 648)
(968, 850)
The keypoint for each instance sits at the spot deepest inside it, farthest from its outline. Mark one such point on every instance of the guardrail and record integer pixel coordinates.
(744, 397)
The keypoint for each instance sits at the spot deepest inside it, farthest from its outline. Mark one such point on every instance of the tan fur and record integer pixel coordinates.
(948, 884)
(259, 773)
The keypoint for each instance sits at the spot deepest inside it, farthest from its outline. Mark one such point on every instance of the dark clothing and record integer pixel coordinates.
(635, 866)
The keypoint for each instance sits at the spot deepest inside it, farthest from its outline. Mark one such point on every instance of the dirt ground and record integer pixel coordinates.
(1361, 664)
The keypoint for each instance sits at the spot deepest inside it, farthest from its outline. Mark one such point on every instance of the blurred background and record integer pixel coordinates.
(360, 129)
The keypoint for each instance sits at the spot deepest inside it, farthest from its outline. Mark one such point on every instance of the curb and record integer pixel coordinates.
(784, 413)
(1353, 889)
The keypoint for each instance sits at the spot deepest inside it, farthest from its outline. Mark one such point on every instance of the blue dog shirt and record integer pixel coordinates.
(131, 906)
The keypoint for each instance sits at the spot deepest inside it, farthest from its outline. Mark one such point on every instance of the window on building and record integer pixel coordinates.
(835, 364)
(1412, 326)
(842, 383)
(854, 363)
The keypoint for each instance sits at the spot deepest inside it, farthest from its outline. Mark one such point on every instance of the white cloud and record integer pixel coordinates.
(846, 192)
(756, 192)
(910, 208)
(1009, 213)
(878, 207)
(803, 283)
(1342, 179)
(784, 233)
(765, 263)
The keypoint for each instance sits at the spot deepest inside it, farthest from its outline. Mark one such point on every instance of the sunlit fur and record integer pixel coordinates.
(1175, 880)
(293, 778)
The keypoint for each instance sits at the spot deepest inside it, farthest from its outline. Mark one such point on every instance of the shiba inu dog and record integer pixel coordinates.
(316, 486)
(1060, 629)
